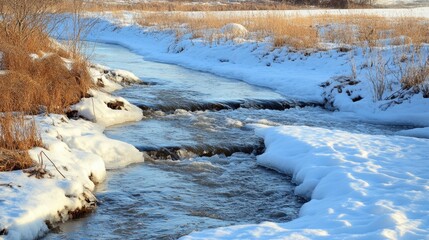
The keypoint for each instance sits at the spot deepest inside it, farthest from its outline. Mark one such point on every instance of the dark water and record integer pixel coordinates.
(210, 182)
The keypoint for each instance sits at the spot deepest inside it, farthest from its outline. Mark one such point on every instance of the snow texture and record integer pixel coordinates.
(96, 109)
(416, 132)
(103, 108)
(361, 186)
(297, 75)
(81, 153)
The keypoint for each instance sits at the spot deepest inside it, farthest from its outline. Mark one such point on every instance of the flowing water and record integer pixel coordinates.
(200, 170)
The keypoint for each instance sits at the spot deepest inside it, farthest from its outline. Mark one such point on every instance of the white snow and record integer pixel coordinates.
(80, 151)
(234, 30)
(111, 80)
(100, 79)
(297, 75)
(96, 109)
(402, 2)
(361, 186)
(416, 132)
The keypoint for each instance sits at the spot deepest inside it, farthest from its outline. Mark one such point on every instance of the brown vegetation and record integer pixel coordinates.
(299, 32)
(43, 80)
(222, 5)
(158, 6)
(17, 135)
(34, 76)
(28, 85)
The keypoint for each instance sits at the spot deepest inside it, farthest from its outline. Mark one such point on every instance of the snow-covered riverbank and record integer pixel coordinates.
(361, 186)
(75, 155)
(299, 75)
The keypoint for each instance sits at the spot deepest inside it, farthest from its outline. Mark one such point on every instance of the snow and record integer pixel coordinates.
(76, 155)
(416, 132)
(361, 186)
(111, 80)
(96, 109)
(82, 153)
(88, 137)
(295, 74)
(402, 2)
(234, 30)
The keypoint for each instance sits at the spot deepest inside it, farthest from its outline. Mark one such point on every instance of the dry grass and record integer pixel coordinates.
(413, 68)
(14, 160)
(295, 32)
(372, 30)
(17, 135)
(34, 77)
(30, 84)
(206, 5)
(185, 6)
(299, 32)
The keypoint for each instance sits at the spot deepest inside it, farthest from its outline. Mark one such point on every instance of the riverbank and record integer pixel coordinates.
(74, 158)
(361, 207)
(361, 186)
(338, 76)
(368, 169)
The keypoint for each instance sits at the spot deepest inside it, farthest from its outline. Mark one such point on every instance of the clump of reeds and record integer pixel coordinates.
(18, 134)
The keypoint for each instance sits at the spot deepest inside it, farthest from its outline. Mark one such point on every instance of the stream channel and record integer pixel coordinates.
(200, 170)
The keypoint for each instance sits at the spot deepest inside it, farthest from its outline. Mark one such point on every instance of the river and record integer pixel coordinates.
(200, 170)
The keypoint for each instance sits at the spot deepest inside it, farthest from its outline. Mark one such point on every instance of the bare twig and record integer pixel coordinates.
(41, 157)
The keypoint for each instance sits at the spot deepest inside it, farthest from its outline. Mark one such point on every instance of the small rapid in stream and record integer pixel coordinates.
(200, 170)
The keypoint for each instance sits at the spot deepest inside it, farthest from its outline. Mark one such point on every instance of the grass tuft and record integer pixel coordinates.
(17, 135)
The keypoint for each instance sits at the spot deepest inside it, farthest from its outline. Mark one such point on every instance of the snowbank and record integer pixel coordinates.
(234, 30)
(111, 80)
(361, 186)
(416, 132)
(75, 155)
(107, 110)
(81, 152)
(296, 75)
(103, 108)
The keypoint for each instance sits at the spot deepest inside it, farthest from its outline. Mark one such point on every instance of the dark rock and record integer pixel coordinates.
(344, 49)
(3, 232)
(356, 99)
(73, 114)
(117, 105)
